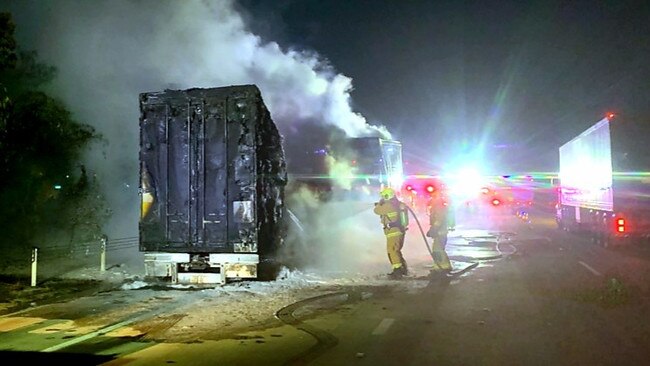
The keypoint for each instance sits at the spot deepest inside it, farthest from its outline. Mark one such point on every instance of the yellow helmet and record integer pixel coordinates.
(387, 193)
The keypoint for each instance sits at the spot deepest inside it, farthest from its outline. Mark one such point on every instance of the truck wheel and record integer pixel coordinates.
(268, 270)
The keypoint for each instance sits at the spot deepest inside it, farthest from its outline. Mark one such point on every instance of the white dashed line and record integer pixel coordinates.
(589, 268)
(383, 326)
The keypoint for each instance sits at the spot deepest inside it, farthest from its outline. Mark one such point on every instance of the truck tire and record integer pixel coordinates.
(268, 270)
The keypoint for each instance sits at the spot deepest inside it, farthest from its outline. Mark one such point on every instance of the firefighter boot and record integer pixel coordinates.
(404, 269)
(436, 270)
(397, 272)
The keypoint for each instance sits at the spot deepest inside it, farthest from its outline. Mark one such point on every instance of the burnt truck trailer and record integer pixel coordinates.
(213, 173)
(603, 192)
(378, 163)
(370, 164)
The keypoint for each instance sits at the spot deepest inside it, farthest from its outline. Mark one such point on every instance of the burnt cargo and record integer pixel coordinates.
(213, 173)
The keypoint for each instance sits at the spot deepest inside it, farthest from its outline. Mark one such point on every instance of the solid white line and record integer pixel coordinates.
(590, 269)
(87, 336)
(142, 315)
(383, 326)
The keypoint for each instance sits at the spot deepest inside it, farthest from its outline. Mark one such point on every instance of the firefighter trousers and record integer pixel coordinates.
(394, 244)
(440, 258)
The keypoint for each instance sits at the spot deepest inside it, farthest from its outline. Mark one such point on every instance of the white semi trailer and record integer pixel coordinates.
(603, 190)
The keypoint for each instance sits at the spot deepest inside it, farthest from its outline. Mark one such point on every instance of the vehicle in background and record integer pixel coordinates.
(523, 191)
(602, 193)
(517, 192)
(417, 190)
(495, 195)
(212, 185)
(471, 190)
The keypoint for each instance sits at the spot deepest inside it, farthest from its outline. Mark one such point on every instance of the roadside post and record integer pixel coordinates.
(102, 256)
(34, 265)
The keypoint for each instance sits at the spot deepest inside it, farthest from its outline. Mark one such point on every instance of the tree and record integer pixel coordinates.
(7, 62)
(42, 182)
(7, 42)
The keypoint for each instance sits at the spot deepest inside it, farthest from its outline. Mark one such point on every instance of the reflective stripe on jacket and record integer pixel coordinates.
(393, 216)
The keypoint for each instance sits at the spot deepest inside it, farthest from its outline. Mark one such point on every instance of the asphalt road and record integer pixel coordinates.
(556, 300)
(537, 296)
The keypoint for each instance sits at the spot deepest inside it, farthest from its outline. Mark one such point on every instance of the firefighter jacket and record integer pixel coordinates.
(394, 216)
(439, 215)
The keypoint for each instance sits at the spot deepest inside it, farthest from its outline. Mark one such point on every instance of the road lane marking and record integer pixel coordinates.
(103, 331)
(88, 336)
(590, 269)
(10, 324)
(383, 326)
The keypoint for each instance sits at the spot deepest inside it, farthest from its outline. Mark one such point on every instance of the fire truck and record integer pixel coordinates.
(417, 190)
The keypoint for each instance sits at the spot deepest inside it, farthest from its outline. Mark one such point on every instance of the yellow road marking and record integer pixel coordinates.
(9, 324)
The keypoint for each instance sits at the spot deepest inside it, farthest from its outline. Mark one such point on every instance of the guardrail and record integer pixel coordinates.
(61, 258)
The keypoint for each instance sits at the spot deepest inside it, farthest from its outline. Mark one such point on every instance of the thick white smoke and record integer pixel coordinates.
(107, 52)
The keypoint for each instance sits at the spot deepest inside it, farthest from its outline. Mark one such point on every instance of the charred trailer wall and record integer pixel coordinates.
(213, 174)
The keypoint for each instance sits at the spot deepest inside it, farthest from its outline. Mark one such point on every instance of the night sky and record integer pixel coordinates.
(502, 82)
(499, 83)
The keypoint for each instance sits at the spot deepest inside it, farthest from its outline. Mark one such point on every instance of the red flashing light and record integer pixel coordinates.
(409, 187)
(620, 225)
(496, 202)
(610, 115)
(430, 189)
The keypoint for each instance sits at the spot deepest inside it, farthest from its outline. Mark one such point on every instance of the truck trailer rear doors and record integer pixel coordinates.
(187, 155)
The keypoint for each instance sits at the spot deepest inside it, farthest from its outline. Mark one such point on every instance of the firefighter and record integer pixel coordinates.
(439, 216)
(394, 217)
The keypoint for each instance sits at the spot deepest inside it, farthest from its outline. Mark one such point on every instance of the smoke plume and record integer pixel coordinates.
(107, 52)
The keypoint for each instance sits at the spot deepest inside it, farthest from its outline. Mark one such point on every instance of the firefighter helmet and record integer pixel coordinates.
(387, 193)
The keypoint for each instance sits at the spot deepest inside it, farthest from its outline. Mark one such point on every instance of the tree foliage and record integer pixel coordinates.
(43, 185)
(7, 42)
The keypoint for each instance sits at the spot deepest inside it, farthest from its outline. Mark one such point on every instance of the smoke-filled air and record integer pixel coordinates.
(108, 52)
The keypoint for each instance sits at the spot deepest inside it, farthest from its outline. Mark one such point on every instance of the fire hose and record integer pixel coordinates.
(424, 236)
